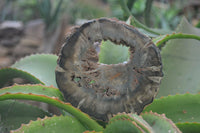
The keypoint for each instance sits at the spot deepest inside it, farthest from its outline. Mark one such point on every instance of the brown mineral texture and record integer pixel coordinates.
(102, 90)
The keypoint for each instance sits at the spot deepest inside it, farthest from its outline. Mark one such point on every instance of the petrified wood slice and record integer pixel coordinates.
(102, 90)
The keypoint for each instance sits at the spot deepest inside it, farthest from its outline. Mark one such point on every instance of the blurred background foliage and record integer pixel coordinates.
(165, 14)
(60, 15)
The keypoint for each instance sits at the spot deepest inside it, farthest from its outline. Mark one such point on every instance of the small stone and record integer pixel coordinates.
(12, 24)
(19, 81)
(21, 51)
(10, 33)
(3, 51)
(5, 61)
(30, 42)
(10, 42)
(10, 29)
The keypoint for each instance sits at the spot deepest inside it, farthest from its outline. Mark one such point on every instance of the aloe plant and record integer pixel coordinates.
(169, 112)
(79, 121)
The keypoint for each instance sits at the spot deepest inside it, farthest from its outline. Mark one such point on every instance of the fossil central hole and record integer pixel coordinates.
(110, 53)
(99, 79)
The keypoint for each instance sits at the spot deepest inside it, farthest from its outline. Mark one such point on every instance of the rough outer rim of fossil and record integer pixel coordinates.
(102, 90)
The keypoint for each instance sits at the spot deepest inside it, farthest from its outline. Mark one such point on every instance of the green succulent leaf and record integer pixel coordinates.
(8, 93)
(33, 89)
(135, 118)
(61, 124)
(179, 108)
(188, 127)
(14, 113)
(123, 126)
(151, 34)
(181, 63)
(160, 123)
(142, 123)
(7, 74)
(159, 41)
(41, 66)
(91, 132)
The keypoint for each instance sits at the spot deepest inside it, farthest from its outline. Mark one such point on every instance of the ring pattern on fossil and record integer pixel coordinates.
(102, 90)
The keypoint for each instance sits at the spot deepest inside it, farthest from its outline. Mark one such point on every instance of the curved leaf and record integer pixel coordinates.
(181, 62)
(151, 34)
(159, 41)
(179, 108)
(135, 118)
(41, 66)
(61, 124)
(14, 113)
(92, 132)
(189, 127)
(123, 126)
(82, 117)
(7, 74)
(134, 21)
(160, 123)
(33, 89)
